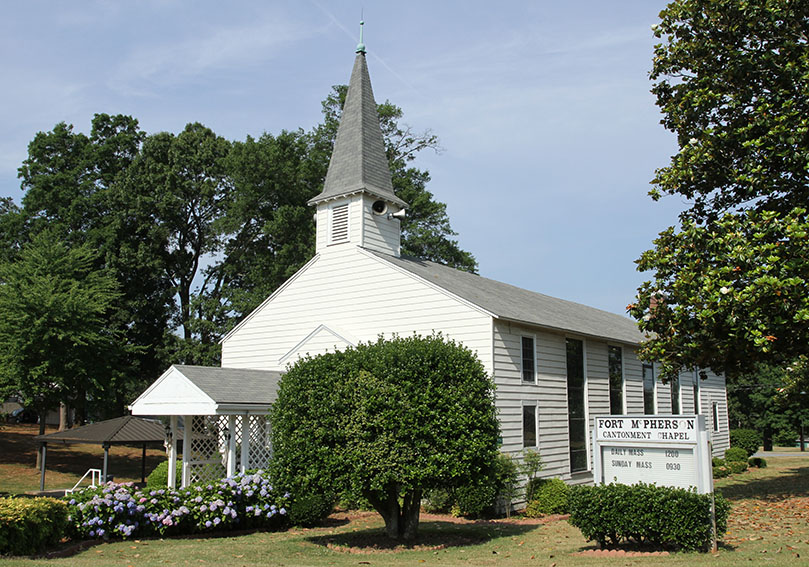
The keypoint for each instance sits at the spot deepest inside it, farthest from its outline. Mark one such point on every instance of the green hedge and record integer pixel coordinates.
(28, 525)
(748, 439)
(659, 516)
(736, 454)
(551, 496)
(159, 477)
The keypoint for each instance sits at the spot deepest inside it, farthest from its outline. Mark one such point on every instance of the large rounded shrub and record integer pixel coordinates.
(387, 420)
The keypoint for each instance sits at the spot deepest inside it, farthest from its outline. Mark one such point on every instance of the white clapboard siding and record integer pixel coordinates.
(598, 386)
(357, 296)
(380, 232)
(633, 382)
(549, 393)
(712, 390)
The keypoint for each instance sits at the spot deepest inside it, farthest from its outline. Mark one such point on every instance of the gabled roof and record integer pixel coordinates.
(126, 429)
(512, 303)
(205, 390)
(358, 160)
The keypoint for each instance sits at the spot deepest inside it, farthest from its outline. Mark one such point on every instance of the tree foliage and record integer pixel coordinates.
(729, 285)
(760, 400)
(386, 420)
(54, 341)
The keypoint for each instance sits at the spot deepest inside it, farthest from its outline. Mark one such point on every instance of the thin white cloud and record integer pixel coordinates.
(170, 64)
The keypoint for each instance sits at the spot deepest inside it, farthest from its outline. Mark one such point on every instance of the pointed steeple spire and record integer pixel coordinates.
(358, 161)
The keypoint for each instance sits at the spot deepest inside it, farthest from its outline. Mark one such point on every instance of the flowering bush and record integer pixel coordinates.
(121, 510)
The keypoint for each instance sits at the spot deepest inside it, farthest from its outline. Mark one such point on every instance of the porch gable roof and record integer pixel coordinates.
(204, 390)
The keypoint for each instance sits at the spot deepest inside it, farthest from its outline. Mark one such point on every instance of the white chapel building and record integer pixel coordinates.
(556, 364)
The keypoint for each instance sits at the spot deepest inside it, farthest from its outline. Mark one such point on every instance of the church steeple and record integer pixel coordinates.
(359, 175)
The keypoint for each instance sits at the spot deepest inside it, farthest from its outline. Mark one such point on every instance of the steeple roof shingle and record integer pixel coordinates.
(358, 160)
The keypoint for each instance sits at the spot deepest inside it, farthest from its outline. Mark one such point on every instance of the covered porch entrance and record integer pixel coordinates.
(221, 416)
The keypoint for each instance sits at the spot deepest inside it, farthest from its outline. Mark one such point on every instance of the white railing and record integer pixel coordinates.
(95, 480)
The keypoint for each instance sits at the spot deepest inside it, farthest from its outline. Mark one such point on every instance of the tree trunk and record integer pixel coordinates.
(767, 438)
(401, 519)
(63, 421)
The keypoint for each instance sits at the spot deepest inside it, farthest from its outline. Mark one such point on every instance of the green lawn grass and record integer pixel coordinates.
(769, 525)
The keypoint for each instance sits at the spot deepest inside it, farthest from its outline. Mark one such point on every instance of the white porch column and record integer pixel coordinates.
(173, 452)
(231, 468)
(187, 424)
(245, 442)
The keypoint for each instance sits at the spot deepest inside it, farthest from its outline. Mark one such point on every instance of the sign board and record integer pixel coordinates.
(667, 450)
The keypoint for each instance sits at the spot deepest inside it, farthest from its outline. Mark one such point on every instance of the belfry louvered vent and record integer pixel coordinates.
(339, 224)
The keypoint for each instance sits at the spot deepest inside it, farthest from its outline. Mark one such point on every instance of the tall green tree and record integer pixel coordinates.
(69, 181)
(54, 340)
(387, 420)
(175, 192)
(730, 285)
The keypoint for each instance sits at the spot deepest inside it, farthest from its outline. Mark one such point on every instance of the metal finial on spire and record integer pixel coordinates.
(361, 45)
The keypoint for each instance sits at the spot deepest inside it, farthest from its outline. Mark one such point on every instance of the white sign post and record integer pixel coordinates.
(667, 450)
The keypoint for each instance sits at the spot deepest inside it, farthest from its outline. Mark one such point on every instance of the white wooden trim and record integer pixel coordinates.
(533, 338)
(231, 464)
(245, 456)
(294, 350)
(587, 428)
(534, 404)
(172, 474)
(186, 478)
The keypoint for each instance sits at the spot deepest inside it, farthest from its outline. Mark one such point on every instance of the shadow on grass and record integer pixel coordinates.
(433, 535)
(18, 447)
(789, 482)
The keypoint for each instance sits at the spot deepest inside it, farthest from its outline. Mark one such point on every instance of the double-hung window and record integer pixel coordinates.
(528, 360)
(616, 368)
(648, 389)
(529, 426)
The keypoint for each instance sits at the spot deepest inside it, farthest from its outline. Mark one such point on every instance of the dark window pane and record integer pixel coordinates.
(616, 380)
(528, 359)
(696, 393)
(529, 426)
(578, 461)
(675, 395)
(648, 389)
(577, 424)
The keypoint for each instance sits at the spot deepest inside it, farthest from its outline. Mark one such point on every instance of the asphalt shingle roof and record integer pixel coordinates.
(126, 429)
(509, 302)
(234, 385)
(358, 160)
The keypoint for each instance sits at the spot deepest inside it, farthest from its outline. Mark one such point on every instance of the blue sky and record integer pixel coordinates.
(543, 109)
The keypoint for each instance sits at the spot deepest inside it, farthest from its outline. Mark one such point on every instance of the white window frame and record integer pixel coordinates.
(623, 377)
(529, 404)
(533, 357)
(586, 387)
(679, 395)
(654, 388)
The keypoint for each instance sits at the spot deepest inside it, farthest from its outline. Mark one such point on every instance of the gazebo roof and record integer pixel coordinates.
(205, 390)
(117, 431)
